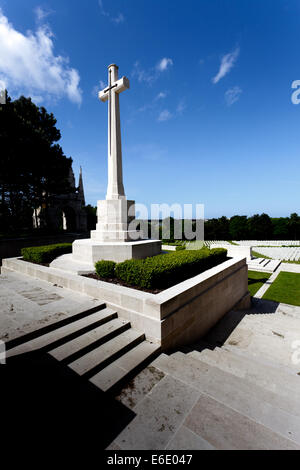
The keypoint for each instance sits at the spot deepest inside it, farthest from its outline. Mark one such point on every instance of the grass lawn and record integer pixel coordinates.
(285, 288)
(255, 280)
(259, 255)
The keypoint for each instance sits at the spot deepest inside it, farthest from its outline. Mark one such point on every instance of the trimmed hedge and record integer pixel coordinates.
(161, 271)
(105, 268)
(46, 253)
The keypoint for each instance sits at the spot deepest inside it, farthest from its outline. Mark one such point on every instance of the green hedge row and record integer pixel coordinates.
(45, 254)
(105, 268)
(162, 271)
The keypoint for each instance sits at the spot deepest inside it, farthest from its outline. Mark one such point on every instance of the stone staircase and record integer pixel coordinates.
(263, 264)
(238, 389)
(94, 343)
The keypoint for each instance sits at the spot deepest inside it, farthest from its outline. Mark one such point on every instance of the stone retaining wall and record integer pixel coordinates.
(177, 316)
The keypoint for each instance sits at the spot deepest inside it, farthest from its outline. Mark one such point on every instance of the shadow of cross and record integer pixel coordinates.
(111, 94)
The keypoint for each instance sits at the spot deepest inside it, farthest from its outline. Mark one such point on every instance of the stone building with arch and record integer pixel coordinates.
(66, 211)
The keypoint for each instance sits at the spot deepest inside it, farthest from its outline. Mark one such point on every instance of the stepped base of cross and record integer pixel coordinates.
(115, 237)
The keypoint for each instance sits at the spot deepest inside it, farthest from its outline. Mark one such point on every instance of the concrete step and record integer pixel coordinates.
(280, 360)
(235, 393)
(288, 329)
(263, 345)
(264, 376)
(91, 339)
(263, 265)
(64, 333)
(100, 357)
(227, 429)
(282, 389)
(124, 367)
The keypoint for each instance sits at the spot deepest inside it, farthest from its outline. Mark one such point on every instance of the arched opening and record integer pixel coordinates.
(67, 219)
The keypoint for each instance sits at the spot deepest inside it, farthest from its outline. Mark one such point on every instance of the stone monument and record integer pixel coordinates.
(114, 239)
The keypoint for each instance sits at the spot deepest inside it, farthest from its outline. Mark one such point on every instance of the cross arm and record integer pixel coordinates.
(118, 87)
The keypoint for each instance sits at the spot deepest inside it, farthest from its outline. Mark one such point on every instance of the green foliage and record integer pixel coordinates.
(256, 279)
(285, 289)
(45, 254)
(33, 167)
(105, 268)
(164, 271)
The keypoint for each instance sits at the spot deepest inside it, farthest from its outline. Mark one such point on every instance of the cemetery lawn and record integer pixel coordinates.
(259, 255)
(285, 289)
(255, 280)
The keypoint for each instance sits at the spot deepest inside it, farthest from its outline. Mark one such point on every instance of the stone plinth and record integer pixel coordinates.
(114, 218)
(91, 250)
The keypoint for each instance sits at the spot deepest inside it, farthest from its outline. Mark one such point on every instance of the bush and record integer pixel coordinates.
(180, 248)
(163, 271)
(45, 254)
(105, 268)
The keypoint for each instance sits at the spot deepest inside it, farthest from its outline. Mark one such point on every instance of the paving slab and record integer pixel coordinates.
(186, 439)
(226, 429)
(139, 386)
(27, 304)
(158, 416)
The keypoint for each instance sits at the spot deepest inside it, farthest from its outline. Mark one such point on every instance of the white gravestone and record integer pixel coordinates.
(113, 239)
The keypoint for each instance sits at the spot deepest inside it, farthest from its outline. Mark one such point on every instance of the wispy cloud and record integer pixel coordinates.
(115, 19)
(164, 63)
(118, 19)
(152, 74)
(29, 65)
(232, 95)
(181, 107)
(227, 62)
(100, 86)
(164, 115)
(160, 95)
(42, 13)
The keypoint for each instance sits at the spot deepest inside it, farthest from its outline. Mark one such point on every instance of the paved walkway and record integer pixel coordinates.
(27, 304)
(237, 390)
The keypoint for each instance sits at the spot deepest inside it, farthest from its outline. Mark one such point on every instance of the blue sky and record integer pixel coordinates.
(208, 118)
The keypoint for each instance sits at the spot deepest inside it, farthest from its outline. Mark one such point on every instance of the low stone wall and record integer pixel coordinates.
(235, 251)
(177, 316)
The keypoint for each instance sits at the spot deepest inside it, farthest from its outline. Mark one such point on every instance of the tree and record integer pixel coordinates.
(294, 226)
(260, 227)
(280, 228)
(33, 167)
(238, 229)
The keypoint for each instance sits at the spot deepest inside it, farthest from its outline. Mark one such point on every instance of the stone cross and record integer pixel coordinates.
(115, 188)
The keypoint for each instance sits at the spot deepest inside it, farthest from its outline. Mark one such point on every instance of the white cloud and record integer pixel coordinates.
(232, 95)
(142, 75)
(28, 64)
(165, 115)
(180, 107)
(163, 64)
(100, 86)
(160, 95)
(227, 62)
(152, 74)
(41, 13)
(118, 19)
(115, 19)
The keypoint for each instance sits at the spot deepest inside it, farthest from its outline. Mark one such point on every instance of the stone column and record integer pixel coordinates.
(115, 188)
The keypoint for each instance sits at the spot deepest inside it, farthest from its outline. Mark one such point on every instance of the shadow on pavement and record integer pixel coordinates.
(44, 401)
